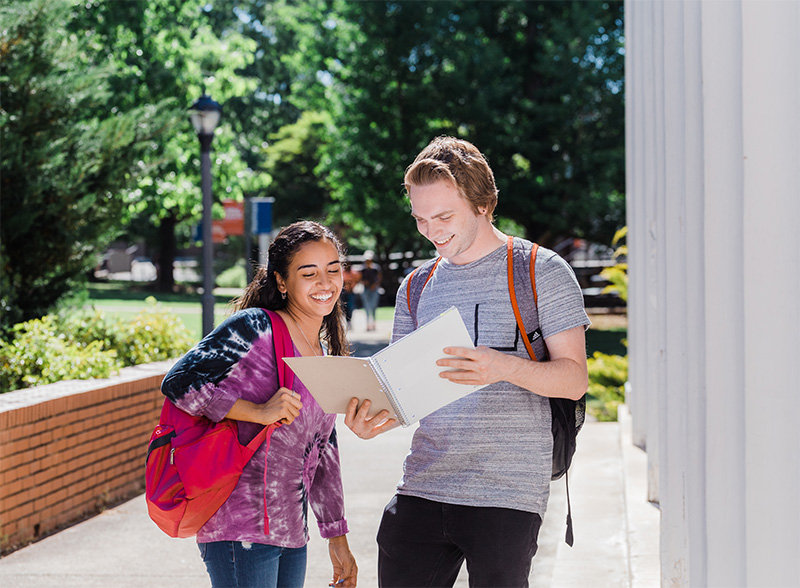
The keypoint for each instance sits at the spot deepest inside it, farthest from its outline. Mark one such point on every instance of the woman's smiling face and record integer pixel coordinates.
(314, 280)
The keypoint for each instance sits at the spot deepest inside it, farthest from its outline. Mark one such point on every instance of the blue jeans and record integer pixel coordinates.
(370, 299)
(234, 564)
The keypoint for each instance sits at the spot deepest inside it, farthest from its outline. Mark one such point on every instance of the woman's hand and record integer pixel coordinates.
(345, 570)
(284, 406)
(364, 426)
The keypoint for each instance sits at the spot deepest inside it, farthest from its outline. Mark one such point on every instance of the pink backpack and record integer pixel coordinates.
(193, 464)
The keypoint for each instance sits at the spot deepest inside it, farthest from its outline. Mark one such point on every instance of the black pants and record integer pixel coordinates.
(423, 543)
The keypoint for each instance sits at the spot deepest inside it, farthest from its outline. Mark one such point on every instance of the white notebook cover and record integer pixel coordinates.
(402, 378)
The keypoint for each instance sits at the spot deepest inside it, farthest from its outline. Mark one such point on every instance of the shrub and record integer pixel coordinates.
(41, 353)
(608, 373)
(153, 335)
(88, 345)
(618, 274)
(233, 277)
(607, 377)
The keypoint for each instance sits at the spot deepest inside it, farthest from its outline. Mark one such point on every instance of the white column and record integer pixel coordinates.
(713, 96)
(694, 327)
(674, 452)
(653, 266)
(636, 393)
(724, 307)
(771, 329)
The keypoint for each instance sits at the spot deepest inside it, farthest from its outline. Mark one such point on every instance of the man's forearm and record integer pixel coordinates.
(557, 378)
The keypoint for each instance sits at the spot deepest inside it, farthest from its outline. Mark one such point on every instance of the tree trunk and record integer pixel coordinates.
(166, 253)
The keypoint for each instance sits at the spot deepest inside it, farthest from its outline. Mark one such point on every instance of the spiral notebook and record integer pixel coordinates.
(402, 378)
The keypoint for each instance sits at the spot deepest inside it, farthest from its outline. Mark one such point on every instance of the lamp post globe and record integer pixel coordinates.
(205, 114)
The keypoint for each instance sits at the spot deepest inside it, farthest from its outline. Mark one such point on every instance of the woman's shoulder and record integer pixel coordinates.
(248, 323)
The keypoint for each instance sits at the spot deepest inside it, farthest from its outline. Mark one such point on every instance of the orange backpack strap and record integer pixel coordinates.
(412, 299)
(408, 289)
(554, 402)
(513, 295)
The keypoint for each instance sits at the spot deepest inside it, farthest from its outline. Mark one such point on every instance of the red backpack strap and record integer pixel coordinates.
(534, 251)
(512, 294)
(283, 348)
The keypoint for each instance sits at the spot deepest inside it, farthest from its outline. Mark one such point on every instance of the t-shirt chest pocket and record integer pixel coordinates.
(497, 329)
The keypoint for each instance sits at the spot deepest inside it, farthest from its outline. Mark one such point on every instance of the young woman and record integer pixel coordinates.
(258, 537)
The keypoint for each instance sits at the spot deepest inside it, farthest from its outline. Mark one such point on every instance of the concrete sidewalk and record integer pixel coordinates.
(616, 530)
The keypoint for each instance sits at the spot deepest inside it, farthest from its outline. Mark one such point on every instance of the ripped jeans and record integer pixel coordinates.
(237, 564)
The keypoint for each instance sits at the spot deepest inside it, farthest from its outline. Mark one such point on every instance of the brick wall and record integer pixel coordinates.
(69, 450)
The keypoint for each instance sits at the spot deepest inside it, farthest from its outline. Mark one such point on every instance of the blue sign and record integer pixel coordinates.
(261, 215)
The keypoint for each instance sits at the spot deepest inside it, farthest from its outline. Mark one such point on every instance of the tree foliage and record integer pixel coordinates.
(292, 157)
(167, 53)
(535, 85)
(66, 155)
(325, 104)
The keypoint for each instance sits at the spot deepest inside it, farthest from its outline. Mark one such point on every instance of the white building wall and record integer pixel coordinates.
(713, 156)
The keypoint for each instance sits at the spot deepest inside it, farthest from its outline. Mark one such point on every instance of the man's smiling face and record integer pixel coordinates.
(446, 220)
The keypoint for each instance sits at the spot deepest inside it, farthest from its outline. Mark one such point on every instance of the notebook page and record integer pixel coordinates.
(409, 366)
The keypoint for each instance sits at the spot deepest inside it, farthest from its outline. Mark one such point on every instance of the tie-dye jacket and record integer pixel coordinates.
(237, 360)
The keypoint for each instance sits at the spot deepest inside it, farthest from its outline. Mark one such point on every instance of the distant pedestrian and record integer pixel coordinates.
(371, 280)
(232, 373)
(351, 279)
(476, 481)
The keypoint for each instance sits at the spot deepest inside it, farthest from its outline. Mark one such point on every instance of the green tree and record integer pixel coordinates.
(292, 158)
(66, 154)
(292, 42)
(537, 86)
(382, 103)
(167, 52)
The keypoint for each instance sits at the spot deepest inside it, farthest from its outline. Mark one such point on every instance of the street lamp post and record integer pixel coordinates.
(205, 114)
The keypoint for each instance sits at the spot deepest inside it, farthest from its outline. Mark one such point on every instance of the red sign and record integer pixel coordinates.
(233, 223)
(218, 234)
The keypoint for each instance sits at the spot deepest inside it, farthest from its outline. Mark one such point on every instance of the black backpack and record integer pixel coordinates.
(567, 415)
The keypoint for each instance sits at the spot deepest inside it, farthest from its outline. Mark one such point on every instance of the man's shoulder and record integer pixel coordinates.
(542, 252)
(425, 266)
(420, 272)
(546, 259)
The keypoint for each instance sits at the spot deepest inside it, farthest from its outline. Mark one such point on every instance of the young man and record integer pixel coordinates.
(477, 479)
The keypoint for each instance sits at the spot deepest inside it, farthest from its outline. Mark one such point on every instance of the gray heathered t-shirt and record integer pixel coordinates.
(493, 447)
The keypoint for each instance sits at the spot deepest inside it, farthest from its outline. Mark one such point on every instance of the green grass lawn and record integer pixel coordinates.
(124, 300)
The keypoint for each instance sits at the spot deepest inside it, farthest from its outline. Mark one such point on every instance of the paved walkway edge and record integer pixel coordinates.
(643, 518)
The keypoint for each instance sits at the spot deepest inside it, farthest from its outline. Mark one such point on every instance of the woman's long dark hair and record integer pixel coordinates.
(263, 291)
